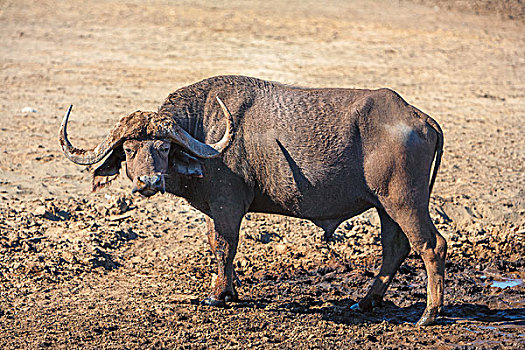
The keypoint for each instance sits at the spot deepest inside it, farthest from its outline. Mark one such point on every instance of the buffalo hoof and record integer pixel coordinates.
(428, 318)
(367, 304)
(231, 298)
(211, 301)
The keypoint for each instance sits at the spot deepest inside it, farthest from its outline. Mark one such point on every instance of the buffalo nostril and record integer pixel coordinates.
(150, 181)
(155, 180)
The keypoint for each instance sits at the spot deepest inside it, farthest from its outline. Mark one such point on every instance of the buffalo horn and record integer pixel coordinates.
(204, 150)
(80, 156)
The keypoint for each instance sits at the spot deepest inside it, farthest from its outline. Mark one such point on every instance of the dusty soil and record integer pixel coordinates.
(110, 270)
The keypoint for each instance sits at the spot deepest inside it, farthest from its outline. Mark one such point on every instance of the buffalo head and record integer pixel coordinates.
(145, 141)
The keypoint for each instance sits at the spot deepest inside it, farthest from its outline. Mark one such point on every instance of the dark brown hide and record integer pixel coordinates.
(320, 154)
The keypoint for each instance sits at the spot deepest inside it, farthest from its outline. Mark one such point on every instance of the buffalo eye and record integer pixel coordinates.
(130, 152)
(164, 148)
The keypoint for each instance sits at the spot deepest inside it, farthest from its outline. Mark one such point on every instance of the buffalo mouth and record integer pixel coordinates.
(148, 191)
(147, 186)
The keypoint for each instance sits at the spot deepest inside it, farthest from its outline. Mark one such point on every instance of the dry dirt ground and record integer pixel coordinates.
(111, 270)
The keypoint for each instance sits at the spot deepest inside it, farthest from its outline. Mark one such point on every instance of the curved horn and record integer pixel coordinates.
(81, 156)
(204, 150)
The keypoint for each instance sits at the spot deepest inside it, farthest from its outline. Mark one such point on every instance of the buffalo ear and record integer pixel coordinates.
(109, 170)
(188, 166)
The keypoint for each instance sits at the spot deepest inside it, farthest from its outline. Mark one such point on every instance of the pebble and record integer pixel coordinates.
(28, 110)
(40, 210)
(281, 248)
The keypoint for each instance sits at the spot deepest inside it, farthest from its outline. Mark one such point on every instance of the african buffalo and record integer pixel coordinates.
(233, 144)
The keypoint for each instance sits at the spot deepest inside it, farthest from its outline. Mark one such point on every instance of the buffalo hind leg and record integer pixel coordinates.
(223, 237)
(432, 247)
(395, 250)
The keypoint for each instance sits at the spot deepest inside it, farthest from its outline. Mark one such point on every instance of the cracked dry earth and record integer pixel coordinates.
(111, 270)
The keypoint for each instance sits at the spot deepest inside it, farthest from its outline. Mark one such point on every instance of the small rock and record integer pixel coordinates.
(117, 206)
(40, 210)
(280, 248)
(68, 256)
(28, 110)
(136, 259)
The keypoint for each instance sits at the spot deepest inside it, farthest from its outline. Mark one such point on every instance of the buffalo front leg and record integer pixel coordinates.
(223, 237)
(395, 250)
(212, 240)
